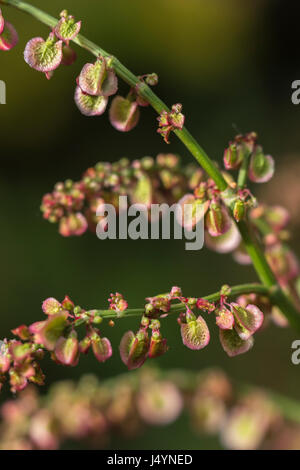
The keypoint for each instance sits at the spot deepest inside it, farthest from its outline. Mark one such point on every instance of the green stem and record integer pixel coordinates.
(243, 173)
(188, 140)
(177, 308)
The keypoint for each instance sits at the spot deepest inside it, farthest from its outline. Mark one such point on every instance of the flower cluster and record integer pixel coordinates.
(74, 204)
(237, 323)
(8, 35)
(92, 412)
(47, 55)
(170, 121)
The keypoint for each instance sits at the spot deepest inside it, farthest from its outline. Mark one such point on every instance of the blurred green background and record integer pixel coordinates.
(231, 64)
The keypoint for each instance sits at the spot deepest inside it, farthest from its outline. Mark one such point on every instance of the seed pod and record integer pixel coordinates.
(195, 333)
(67, 29)
(1, 22)
(8, 37)
(261, 167)
(232, 344)
(90, 105)
(217, 220)
(190, 211)
(69, 55)
(134, 349)
(239, 210)
(101, 348)
(49, 331)
(97, 79)
(43, 56)
(51, 306)
(233, 157)
(158, 345)
(247, 320)
(225, 319)
(124, 114)
(66, 350)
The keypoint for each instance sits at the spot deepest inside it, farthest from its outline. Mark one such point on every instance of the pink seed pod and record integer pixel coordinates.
(225, 243)
(232, 344)
(67, 29)
(190, 211)
(1, 22)
(101, 348)
(51, 306)
(233, 157)
(217, 220)
(8, 37)
(22, 332)
(123, 114)
(43, 56)
(159, 403)
(261, 167)
(73, 225)
(90, 105)
(69, 55)
(225, 319)
(49, 331)
(158, 345)
(278, 217)
(247, 320)
(195, 333)
(134, 349)
(97, 79)
(66, 350)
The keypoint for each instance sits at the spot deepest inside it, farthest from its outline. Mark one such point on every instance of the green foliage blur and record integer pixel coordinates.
(231, 64)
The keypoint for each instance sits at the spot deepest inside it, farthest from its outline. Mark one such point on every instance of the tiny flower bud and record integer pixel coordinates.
(195, 333)
(8, 37)
(123, 114)
(261, 167)
(203, 304)
(43, 56)
(67, 304)
(152, 79)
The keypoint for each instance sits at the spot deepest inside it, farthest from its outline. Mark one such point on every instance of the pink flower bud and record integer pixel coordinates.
(195, 333)
(43, 56)
(8, 37)
(247, 320)
(217, 220)
(225, 319)
(124, 114)
(49, 331)
(66, 350)
(90, 105)
(66, 29)
(205, 305)
(101, 347)
(232, 344)
(134, 349)
(158, 345)
(51, 306)
(97, 79)
(261, 167)
(73, 225)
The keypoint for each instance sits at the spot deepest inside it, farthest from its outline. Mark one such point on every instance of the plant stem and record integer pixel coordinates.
(177, 308)
(188, 140)
(242, 177)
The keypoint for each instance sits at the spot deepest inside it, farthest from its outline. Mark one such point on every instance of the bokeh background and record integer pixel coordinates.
(231, 64)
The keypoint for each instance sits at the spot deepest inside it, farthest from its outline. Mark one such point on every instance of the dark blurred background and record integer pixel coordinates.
(231, 64)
